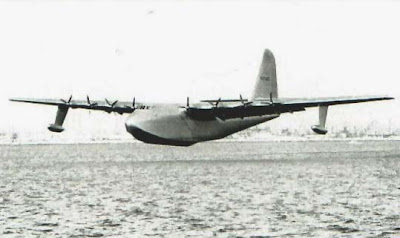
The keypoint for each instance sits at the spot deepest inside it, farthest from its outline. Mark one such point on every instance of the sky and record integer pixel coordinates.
(164, 51)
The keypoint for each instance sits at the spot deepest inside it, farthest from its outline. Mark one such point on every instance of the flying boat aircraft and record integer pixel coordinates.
(185, 125)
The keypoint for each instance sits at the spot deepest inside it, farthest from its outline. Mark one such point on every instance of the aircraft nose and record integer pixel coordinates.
(136, 120)
(137, 124)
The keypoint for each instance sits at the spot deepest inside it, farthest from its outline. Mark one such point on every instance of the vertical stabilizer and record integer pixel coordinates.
(266, 84)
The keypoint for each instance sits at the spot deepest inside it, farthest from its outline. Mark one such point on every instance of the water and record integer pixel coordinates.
(223, 189)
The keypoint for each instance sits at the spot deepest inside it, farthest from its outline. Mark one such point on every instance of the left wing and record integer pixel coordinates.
(220, 109)
(223, 109)
(328, 101)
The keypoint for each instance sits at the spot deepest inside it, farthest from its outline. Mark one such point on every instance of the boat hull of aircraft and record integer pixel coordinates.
(173, 126)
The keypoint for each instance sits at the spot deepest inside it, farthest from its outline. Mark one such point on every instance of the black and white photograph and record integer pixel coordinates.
(200, 118)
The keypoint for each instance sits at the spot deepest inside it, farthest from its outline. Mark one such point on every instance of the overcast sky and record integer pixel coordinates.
(163, 51)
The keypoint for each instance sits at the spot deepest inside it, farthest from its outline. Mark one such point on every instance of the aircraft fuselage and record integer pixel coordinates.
(171, 125)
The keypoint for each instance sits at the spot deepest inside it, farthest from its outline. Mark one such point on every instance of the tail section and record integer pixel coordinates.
(266, 84)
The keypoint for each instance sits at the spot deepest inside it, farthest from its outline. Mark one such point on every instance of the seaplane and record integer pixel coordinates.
(190, 123)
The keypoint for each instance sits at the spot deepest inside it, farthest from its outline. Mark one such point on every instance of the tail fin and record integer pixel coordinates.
(266, 85)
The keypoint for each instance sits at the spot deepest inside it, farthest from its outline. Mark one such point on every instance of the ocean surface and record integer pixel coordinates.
(219, 189)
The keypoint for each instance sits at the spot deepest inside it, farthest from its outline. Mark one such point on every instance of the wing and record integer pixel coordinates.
(269, 106)
(65, 105)
(107, 106)
(314, 102)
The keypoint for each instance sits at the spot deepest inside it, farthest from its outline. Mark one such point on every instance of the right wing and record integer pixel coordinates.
(65, 105)
(107, 106)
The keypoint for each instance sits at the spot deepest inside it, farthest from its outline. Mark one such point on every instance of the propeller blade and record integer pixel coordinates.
(113, 104)
(109, 103)
(219, 100)
(65, 101)
(244, 102)
(241, 99)
(187, 102)
(133, 103)
(89, 103)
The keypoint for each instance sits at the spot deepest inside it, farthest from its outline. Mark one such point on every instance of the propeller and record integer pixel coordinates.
(244, 102)
(215, 110)
(65, 101)
(187, 104)
(89, 103)
(111, 104)
(270, 98)
(133, 105)
(219, 100)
